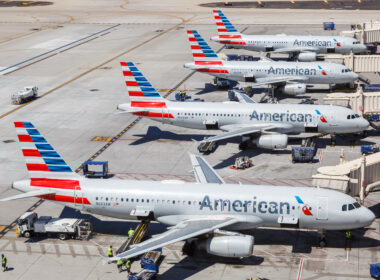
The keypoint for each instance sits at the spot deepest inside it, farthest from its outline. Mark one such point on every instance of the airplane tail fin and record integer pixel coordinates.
(227, 33)
(224, 26)
(42, 160)
(200, 49)
(145, 100)
(138, 87)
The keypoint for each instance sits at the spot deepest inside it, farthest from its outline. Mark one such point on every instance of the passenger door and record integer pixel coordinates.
(322, 208)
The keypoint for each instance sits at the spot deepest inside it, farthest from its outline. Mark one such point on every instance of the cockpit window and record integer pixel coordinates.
(351, 207)
(357, 205)
(357, 116)
(348, 117)
(344, 207)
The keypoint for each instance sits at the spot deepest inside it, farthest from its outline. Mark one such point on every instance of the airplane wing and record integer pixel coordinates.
(243, 98)
(234, 132)
(182, 231)
(295, 50)
(203, 172)
(278, 80)
(27, 194)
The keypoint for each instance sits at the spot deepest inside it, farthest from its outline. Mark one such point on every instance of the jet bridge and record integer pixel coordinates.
(356, 178)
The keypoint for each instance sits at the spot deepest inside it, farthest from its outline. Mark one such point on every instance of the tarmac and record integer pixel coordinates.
(72, 51)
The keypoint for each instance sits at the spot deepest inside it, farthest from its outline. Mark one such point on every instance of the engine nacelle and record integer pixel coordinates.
(230, 246)
(307, 57)
(293, 89)
(272, 141)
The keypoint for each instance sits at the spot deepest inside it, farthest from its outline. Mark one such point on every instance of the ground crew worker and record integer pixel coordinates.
(128, 266)
(348, 240)
(110, 253)
(130, 232)
(119, 265)
(4, 262)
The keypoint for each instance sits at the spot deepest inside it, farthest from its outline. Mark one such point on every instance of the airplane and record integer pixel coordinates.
(265, 125)
(300, 47)
(289, 77)
(208, 206)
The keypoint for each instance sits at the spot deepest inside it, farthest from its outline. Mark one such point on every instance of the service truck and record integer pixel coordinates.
(25, 95)
(29, 224)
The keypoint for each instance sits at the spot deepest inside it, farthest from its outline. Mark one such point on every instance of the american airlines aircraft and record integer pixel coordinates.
(193, 210)
(290, 77)
(303, 48)
(265, 125)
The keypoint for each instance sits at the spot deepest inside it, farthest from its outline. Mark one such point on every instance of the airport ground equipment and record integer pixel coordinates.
(370, 87)
(222, 83)
(138, 235)
(242, 163)
(207, 147)
(103, 173)
(369, 149)
(329, 25)
(149, 265)
(181, 96)
(374, 270)
(303, 154)
(29, 224)
(25, 95)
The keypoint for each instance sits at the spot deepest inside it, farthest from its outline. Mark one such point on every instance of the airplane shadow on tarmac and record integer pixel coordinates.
(154, 134)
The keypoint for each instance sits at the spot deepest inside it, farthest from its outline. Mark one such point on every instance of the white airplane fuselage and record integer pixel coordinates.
(319, 44)
(258, 71)
(290, 118)
(171, 201)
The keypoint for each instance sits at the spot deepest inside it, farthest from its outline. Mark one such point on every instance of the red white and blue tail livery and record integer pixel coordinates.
(227, 33)
(41, 158)
(145, 100)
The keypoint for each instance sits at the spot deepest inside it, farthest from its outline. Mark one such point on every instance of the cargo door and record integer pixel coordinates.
(322, 208)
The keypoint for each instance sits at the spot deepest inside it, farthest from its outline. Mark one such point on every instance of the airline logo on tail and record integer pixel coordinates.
(227, 32)
(39, 154)
(199, 47)
(305, 208)
(142, 94)
(321, 117)
(46, 167)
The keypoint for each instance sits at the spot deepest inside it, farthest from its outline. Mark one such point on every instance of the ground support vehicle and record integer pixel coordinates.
(29, 224)
(25, 95)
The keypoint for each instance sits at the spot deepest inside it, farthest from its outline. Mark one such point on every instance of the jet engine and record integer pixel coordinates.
(293, 89)
(230, 246)
(307, 56)
(272, 141)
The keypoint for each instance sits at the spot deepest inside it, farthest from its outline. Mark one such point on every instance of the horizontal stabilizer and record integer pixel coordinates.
(28, 194)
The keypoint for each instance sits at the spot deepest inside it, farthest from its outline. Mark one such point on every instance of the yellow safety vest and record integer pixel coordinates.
(131, 232)
(120, 262)
(128, 264)
(110, 252)
(3, 260)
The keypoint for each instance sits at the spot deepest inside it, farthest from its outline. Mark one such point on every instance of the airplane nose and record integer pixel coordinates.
(215, 38)
(364, 124)
(368, 217)
(355, 76)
